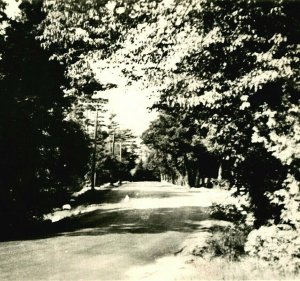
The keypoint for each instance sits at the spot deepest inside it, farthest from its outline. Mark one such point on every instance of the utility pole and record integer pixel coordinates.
(120, 151)
(93, 172)
(113, 145)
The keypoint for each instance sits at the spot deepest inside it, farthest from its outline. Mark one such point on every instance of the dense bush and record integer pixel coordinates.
(228, 212)
(277, 244)
(287, 199)
(228, 242)
(234, 209)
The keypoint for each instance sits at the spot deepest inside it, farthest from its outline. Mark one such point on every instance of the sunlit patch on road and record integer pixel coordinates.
(150, 197)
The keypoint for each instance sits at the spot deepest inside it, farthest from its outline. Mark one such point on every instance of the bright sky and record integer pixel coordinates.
(129, 103)
(130, 107)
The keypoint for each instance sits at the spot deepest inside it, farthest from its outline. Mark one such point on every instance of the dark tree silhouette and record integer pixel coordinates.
(41, 152)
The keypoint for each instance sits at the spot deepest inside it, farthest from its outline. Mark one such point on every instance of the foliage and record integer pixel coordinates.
(236, 209)
(116, 153)
(41, 152)
(288, 198)
(229, 212)
(228, 242)
(60, 34)
(144, 172)
(277, 244)
(179, 150)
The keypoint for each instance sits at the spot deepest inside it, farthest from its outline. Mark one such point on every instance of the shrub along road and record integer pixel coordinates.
(142, 222)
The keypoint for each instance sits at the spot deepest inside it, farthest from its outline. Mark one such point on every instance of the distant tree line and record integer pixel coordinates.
(178, 152)
(116, 153)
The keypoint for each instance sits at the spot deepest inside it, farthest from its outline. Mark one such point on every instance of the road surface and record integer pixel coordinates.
(141, 223)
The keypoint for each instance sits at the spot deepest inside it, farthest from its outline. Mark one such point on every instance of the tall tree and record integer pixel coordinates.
(41, 152)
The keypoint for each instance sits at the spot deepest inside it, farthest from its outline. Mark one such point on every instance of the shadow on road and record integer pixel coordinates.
(109, 221)
(101, 222)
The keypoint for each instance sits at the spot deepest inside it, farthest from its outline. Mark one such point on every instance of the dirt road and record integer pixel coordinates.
(141, 223)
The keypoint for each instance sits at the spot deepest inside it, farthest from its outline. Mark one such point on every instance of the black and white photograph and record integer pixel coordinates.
(149, 140)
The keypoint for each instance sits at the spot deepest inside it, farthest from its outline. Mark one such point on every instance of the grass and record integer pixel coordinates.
(246, 269)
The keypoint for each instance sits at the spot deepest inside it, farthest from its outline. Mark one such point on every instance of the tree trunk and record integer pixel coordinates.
(187, 171)
(197, 180)
(93, 172)
(113, 145)
(220, 171)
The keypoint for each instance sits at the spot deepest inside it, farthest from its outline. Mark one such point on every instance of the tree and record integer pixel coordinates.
(145, 172)
(42, 153)
(116, 154)
(77, 34)
(248, 97)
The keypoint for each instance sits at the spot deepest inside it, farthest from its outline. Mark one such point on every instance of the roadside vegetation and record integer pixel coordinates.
(243, 252)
